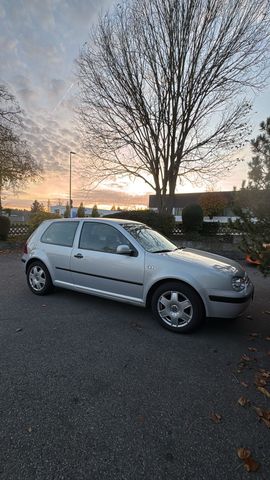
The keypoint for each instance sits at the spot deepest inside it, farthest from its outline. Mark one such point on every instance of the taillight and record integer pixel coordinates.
(25, 248)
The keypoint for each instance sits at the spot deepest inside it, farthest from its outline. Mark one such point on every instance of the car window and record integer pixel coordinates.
(60, 233)
(149, 239)
(101, 237)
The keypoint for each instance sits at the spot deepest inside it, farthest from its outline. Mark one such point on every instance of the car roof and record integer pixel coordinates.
(119, 221)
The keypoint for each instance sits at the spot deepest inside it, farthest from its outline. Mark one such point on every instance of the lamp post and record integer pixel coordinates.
(70, 153)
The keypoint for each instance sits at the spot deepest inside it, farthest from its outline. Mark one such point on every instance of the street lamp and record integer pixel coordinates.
(70, 153)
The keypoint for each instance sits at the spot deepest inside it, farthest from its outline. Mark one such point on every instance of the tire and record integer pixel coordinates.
(38, 278)
(177, 307)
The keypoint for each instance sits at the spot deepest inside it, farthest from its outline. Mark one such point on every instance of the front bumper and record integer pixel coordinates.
(230, 306)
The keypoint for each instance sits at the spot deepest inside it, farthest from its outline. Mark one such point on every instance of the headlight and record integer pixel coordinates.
(239, 283)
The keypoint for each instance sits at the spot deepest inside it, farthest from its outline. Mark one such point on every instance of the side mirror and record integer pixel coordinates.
(124, 250)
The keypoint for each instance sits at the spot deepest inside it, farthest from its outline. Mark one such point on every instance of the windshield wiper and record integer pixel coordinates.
(163, 251)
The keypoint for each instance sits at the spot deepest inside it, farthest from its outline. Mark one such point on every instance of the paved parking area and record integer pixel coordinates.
(93, 389)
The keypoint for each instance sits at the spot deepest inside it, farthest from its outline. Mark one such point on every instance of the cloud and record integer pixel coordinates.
(2, 11)
(107, 197)
(8, 45)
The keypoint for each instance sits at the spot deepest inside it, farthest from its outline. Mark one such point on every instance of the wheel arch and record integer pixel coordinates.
(37, 259)
(166, 280)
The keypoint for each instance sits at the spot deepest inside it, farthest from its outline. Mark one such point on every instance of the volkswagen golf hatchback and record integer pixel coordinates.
(129, 262)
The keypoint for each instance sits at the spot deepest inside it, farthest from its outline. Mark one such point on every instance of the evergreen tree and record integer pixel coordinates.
(81, 210)
(95, 212)
(253, 201)
(67, 211)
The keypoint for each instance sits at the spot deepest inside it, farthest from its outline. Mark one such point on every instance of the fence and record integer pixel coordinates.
(18, 229)
(210, 229)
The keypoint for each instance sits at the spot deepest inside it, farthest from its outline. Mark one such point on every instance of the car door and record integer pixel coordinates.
(57, 244)
(97, 267)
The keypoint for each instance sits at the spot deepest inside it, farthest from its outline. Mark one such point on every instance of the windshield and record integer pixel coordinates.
(150, 240)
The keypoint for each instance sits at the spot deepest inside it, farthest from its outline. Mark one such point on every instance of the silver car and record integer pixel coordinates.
(129, 262)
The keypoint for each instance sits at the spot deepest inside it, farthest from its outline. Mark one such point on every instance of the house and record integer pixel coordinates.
(181, 200)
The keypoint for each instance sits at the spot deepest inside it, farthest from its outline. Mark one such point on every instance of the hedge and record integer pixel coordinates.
(163, 223)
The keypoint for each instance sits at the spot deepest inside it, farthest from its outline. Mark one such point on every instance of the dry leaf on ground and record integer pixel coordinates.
(249, 463)
(215, 417)
(243, 453)
(243, 401)
(246, 358)
(244, 384)
(264, 415)
(264, 391)
(252, 349)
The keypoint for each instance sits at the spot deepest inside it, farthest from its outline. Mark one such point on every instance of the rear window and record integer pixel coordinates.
(60, 233)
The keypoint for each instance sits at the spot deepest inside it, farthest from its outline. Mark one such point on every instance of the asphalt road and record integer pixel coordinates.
(93, 389)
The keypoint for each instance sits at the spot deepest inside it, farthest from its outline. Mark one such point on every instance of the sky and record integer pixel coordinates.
(39, 42)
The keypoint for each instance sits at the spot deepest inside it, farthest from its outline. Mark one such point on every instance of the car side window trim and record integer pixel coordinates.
(103, 251)
(70, 245)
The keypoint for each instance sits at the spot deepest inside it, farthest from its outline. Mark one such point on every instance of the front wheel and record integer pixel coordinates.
(38, 278)
(177, 307)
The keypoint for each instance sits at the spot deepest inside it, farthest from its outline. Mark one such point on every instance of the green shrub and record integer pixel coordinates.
(38, 218)
(4, 227)
(163, 223)
(210, 229)
(192, 217)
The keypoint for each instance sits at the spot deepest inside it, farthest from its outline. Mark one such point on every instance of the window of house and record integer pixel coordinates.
(177, 211)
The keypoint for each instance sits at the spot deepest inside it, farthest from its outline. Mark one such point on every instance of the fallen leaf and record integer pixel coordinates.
(267, 312)
(267, 338)
(243, 401)
(252, 349)
(259, 411)
(18, 330)
(246, 358)
(260, 382)
(29, 429)
(264, 391)
(44, 305)
(251, 465)
(243, 453)
(266, 422)
(215, 417)
(264, 372)
(244, 384)
(264, 415)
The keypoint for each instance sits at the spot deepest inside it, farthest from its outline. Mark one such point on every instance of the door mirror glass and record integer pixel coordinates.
(124, 250)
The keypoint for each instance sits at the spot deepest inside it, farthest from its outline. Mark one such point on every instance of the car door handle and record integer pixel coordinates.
(78, 255)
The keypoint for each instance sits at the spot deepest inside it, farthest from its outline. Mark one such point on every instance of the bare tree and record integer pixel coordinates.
(163, 86)
(17, 165)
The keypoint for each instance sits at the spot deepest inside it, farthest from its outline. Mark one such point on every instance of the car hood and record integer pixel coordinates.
(207, 260)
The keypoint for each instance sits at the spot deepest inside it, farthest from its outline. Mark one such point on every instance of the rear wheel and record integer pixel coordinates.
(38, 278)
(177, 307)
